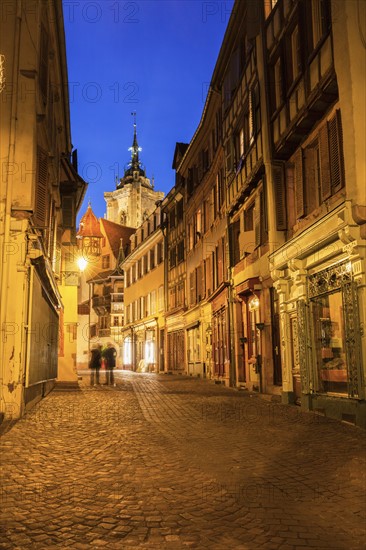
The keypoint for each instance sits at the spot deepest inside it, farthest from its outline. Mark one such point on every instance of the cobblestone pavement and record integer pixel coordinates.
(175, 462)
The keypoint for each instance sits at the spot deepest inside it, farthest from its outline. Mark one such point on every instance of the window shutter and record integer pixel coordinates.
(41, 196)
(209, 276)
(199, 283)
(257, 220)
(299, 187)
(310, 182)
(324, 163)
(43, 63)
(219, 263)
(336, 151)
(192, 287)
(68, 212)
(280, 197)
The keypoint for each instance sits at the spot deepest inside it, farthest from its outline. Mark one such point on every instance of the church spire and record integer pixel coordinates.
(135, 161)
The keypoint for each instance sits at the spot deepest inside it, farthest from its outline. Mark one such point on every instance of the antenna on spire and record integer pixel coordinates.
(134, 118)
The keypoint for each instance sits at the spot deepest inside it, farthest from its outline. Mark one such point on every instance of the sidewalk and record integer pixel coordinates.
(175, 462)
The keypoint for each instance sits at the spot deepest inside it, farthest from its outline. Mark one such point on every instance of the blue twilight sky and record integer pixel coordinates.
(155, 57)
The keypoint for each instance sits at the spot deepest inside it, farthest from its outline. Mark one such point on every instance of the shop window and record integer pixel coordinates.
(149, 347)
(219, 342)
(253, 319)
(127, 351)
(330, 349)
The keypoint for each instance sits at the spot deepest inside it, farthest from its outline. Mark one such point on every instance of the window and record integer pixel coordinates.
(127, 351)
(312, 177)
(172, 218)
(234, 231)
(319, 167)
(268, 6)
(173, 257)
(180, 251)
(115, 321)
(139, 269)
(253, 333)
(198, 225)
(190, 236)
(161, 298)
(249, 218)
(105, 261)
(278, 96)
(192, 287)
(229, 155)
(180, 210)
(152, 258)
(159, 253)
(153, 302)
(295, 54)
(328, 322)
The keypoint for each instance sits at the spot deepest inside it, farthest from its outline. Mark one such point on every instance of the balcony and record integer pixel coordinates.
(101, 304)
(104, 332)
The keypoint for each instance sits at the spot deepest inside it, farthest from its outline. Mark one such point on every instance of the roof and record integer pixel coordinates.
(89, 225)
(114, 232)
(180, 149)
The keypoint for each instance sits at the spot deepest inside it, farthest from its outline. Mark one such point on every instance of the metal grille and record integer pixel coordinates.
(353, 339)
(303, 336)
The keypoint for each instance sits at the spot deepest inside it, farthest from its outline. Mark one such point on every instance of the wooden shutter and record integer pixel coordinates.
(219, 263)
(68, 220)
(203, 274)
(336, 151)
(192, 287)
(280, 197)
(257, 220)
(43, 63)
(310, 181)
(209, 276)
(299, 187)
(224, 259)
(41, 194)
(324, 162)
(199, 295)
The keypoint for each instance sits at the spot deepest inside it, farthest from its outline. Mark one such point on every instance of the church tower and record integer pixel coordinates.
(134, 198)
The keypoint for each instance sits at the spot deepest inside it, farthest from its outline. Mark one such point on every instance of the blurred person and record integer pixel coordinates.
(94, 365)
(110, 355)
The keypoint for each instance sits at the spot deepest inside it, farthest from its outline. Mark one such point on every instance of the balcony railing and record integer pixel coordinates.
(101, 304)
(104, 332)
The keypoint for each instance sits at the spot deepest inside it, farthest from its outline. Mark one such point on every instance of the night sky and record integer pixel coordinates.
(155, 57)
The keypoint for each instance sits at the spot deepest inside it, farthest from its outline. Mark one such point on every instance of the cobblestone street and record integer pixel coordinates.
(175, 462)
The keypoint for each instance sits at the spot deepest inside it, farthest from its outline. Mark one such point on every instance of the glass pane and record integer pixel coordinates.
(330, 343)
